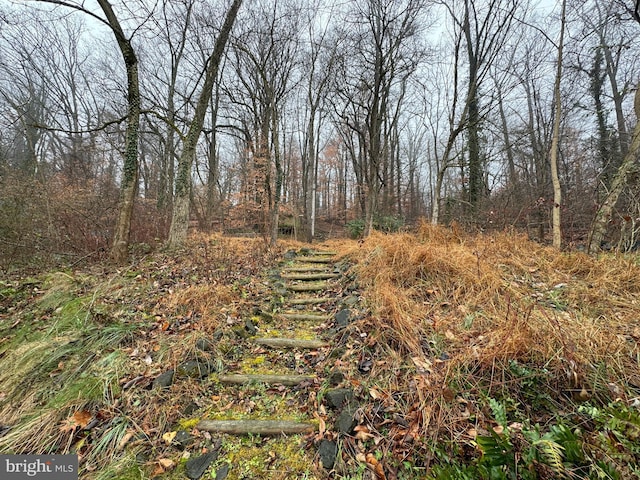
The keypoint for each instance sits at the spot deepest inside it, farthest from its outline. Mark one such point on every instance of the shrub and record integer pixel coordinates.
(355, 228)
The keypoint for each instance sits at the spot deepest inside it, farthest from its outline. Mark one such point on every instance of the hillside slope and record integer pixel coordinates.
(463, 356)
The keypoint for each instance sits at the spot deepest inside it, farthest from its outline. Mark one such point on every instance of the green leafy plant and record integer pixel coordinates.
(355, 228)
(522, 451)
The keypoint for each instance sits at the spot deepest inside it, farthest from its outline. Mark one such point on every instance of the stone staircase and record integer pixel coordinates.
(293, 341)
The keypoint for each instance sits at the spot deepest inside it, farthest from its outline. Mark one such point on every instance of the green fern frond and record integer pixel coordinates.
(551, 453)
(499, 412)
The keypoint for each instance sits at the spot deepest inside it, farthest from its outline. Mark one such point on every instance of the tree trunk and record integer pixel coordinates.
(473, 143)
(180, 218)
(555, 177)
(628, 167)
(128, 189)
(275, 142)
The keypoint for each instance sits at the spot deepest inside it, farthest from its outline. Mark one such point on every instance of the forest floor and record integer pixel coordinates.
(432, 354)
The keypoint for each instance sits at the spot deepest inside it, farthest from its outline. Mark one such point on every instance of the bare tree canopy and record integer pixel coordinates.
(311, 118)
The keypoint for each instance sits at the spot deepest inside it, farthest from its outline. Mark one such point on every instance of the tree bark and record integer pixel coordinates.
(180, 218)
(555, 177)
(128, 189)
(473, 124)
(628, 167)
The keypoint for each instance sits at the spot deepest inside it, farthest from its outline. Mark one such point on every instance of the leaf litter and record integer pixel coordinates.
(445, 317)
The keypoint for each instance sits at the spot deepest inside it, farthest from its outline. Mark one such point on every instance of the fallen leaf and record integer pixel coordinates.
(322, 426)
(377, 466)
(422, 365)
(168, 437)
(362, 433)
(79, 419)
(82, 418)
(158, 470)
(498, 429)
(166, 463)
(448, 394)
(125, 439)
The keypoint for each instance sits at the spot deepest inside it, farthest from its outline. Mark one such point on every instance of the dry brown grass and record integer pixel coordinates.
(500, 296)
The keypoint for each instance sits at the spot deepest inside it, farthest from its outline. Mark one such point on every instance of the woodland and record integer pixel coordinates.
(404, 230)
(129, 123)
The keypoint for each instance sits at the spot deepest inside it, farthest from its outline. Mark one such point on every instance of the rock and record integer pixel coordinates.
(339, 397)
(281, 291)
(164, 380)
(222, 472)
(343, 317)
(351, 301)
(194, 369)
(204, 344)
(195, 467)
(335, 377)
(346, 421)
(218, 334)
(327, 452)
(290, 255)
(183, 439)
(250, 327)
(274, 274)
(190, 408)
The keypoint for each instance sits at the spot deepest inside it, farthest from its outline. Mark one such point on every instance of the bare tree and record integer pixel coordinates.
(628, 167)
(180, 217)
(383, 36)
(485, 27)
(319, 70)
(265, 57)
(129, 184)
(555, 139)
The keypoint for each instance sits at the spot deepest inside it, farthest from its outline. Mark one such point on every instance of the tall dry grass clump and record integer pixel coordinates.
(487, 299)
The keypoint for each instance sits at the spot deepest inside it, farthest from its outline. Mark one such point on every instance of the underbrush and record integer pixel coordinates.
(79, 351)
(473, 357)
(495, 357)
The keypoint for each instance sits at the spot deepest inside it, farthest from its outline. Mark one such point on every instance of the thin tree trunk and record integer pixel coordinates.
(555, 177)
(128, 189)
(180, 218)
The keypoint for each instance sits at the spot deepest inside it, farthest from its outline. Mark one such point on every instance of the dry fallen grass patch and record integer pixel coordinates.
(501, 296)
(460, 309)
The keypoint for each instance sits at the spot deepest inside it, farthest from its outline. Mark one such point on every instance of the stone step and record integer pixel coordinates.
(283, 342)
(287, 380)
(309, 301)
(314, 259)
(332, 253)
(311, 276)
(306, 269)
(306, 317)
(308, 287)
(255, 427)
